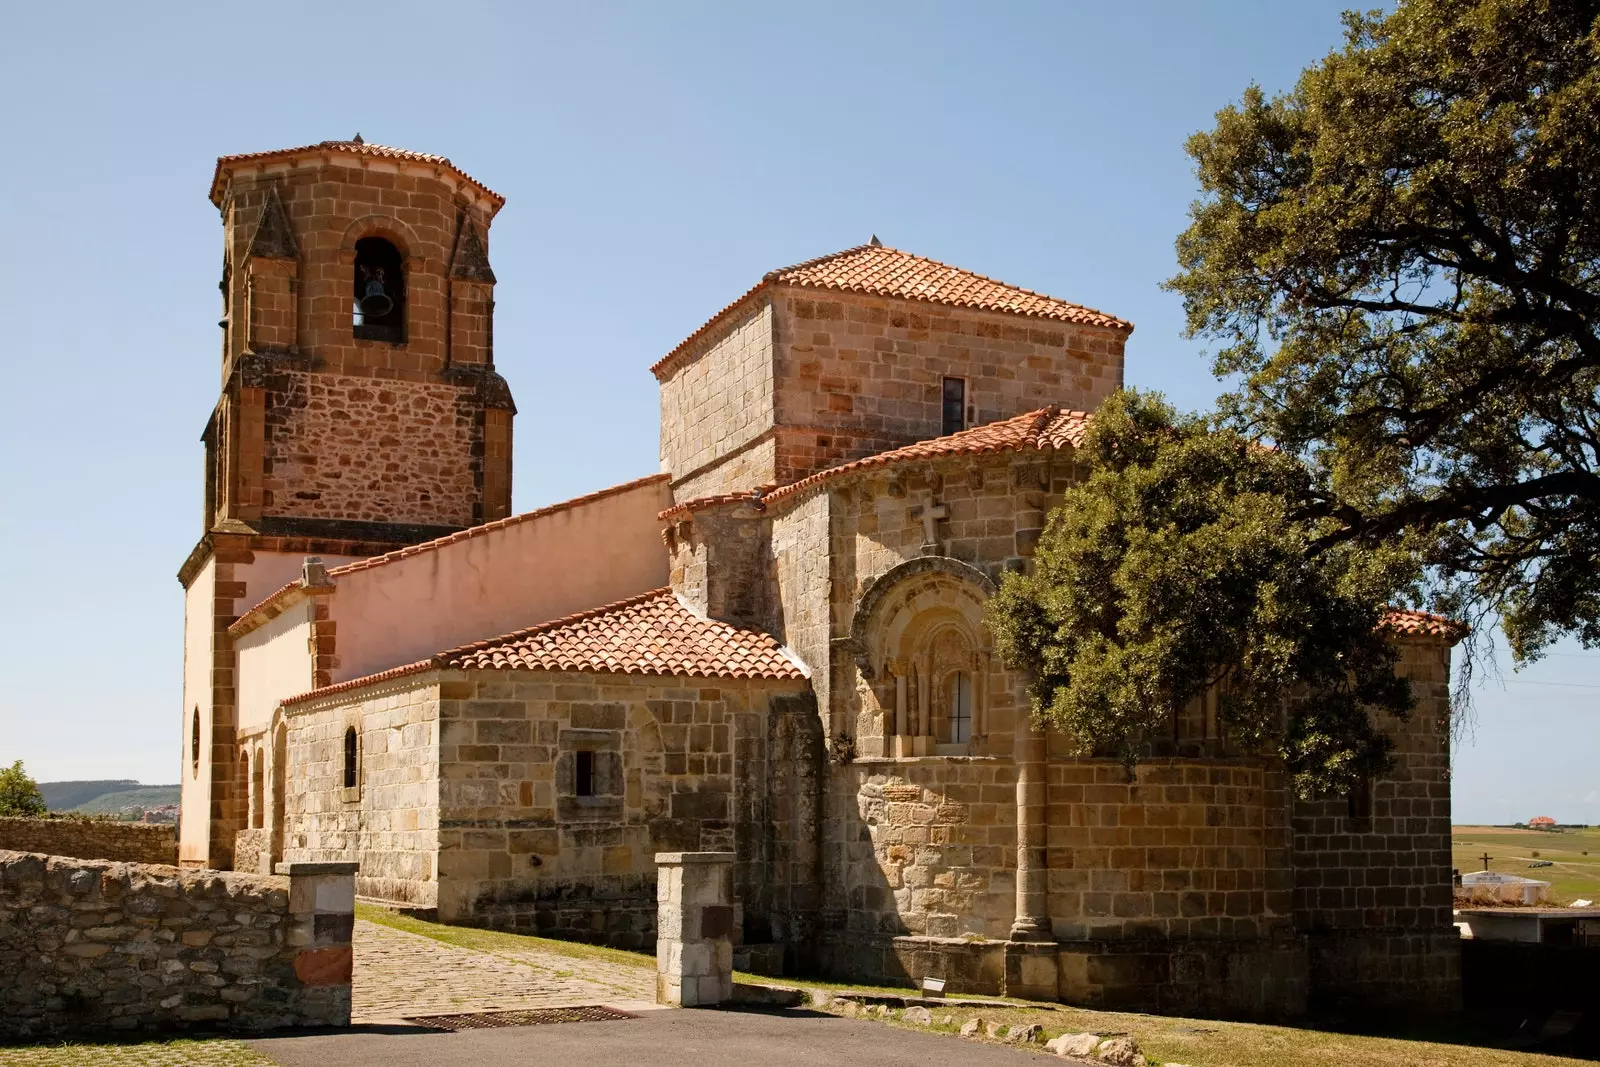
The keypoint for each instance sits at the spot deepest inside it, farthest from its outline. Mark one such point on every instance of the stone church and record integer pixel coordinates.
(775, 645)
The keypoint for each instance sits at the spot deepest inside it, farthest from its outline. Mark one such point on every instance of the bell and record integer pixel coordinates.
(375, 303)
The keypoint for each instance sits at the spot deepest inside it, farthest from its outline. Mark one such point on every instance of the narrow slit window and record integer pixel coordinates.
(350, 757)
(961, 708)
(955, 405)
(583, 774)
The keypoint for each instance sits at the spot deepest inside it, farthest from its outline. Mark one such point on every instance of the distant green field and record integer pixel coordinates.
(146, 796)
(1575, 855)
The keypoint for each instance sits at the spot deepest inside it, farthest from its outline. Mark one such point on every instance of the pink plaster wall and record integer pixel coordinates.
(523, 571)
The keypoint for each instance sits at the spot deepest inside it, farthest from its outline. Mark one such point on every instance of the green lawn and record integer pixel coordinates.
(1574, 853)
(216, 1053)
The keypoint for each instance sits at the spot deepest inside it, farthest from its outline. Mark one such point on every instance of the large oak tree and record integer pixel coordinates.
(1400, 260)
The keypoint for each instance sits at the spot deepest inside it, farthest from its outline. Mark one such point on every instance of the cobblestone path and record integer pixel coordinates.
(399, 975)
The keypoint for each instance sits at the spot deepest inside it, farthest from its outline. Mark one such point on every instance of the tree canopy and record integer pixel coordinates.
(1400, 258)
(1182, 563)
(19, 794)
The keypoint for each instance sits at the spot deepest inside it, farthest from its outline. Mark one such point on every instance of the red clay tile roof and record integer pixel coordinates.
(358, 148)
(881, 271)
(652, 633)
(1053, 427)
(263, 610)
(1406, 621)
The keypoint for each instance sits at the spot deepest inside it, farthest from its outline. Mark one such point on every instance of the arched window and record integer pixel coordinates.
(194, 740)
(350, 757)
(244, 789)
(258, 800)
(379, 292)
(960, 708)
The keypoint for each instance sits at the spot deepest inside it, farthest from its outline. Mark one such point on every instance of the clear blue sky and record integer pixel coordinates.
(657, 159)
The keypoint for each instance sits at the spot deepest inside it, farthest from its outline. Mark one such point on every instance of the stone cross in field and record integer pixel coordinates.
(1486, 858)
(931, 514)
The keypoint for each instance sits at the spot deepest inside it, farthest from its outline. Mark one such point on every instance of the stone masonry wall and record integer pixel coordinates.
(856, 374)
(1185, 849)
(343, 447)
(389, 822)
(519, 849)
(932, 850)
(92, 839)
(715, 409)
(1372, 888)
(88, 945)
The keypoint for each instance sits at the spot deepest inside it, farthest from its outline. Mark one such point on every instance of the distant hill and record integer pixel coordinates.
(106, 795)
(144, 796)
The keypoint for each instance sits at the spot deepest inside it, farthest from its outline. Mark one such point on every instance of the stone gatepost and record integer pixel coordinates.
(322, 919)
(694, 928)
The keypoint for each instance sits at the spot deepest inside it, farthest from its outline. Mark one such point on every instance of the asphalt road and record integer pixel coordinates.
(703, 1038)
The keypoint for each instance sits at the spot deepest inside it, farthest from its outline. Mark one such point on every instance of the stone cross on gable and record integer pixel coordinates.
(931, 513)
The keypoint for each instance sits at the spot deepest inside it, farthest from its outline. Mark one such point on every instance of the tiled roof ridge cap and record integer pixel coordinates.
(443, 658)
(1115, 323)
(762, 496)
(1041, 419)
(419, 667)
(350, 147)
(1424, 622)
(776, 277)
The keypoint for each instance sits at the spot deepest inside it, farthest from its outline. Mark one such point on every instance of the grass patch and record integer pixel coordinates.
(216, 1053)
(1574, 855)
(501, 943)
(1208, 1043)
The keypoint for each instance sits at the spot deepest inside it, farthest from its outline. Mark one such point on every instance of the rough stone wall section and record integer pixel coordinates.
(716, 409)
(929, 849)
(89, 946)
(520, 849)
(92, 839)
(388, 822)
(1372, 882)
(356, 448)
(856, 375)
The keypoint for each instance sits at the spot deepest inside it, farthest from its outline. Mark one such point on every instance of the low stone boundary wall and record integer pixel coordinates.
(92, 839)
(89, 946)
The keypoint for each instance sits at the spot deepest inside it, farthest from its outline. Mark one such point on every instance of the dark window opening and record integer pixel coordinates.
(1360, 800)
(583, 774)
(194, 739)
(379, 292)
(350, 757)
(955, 405)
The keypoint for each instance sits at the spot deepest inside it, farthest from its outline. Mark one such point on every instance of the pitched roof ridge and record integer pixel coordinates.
(1038, 420)
(773, 275)
(392, 673)
(352, 147)
(484, 528)
(1079, 314)
(552, 624)
(961, 270)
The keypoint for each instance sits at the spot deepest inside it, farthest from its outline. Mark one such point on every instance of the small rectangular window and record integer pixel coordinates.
(583, 774)
(955, 405)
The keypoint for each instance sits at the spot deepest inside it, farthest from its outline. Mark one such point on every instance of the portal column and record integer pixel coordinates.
(1031, 970)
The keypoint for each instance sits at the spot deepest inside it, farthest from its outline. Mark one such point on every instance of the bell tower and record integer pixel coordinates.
(359, 412)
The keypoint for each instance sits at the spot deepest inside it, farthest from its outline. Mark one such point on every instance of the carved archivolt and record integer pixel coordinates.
(919, 639)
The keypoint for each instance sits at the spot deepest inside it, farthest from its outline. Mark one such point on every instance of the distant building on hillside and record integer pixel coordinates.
(1541, 822)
